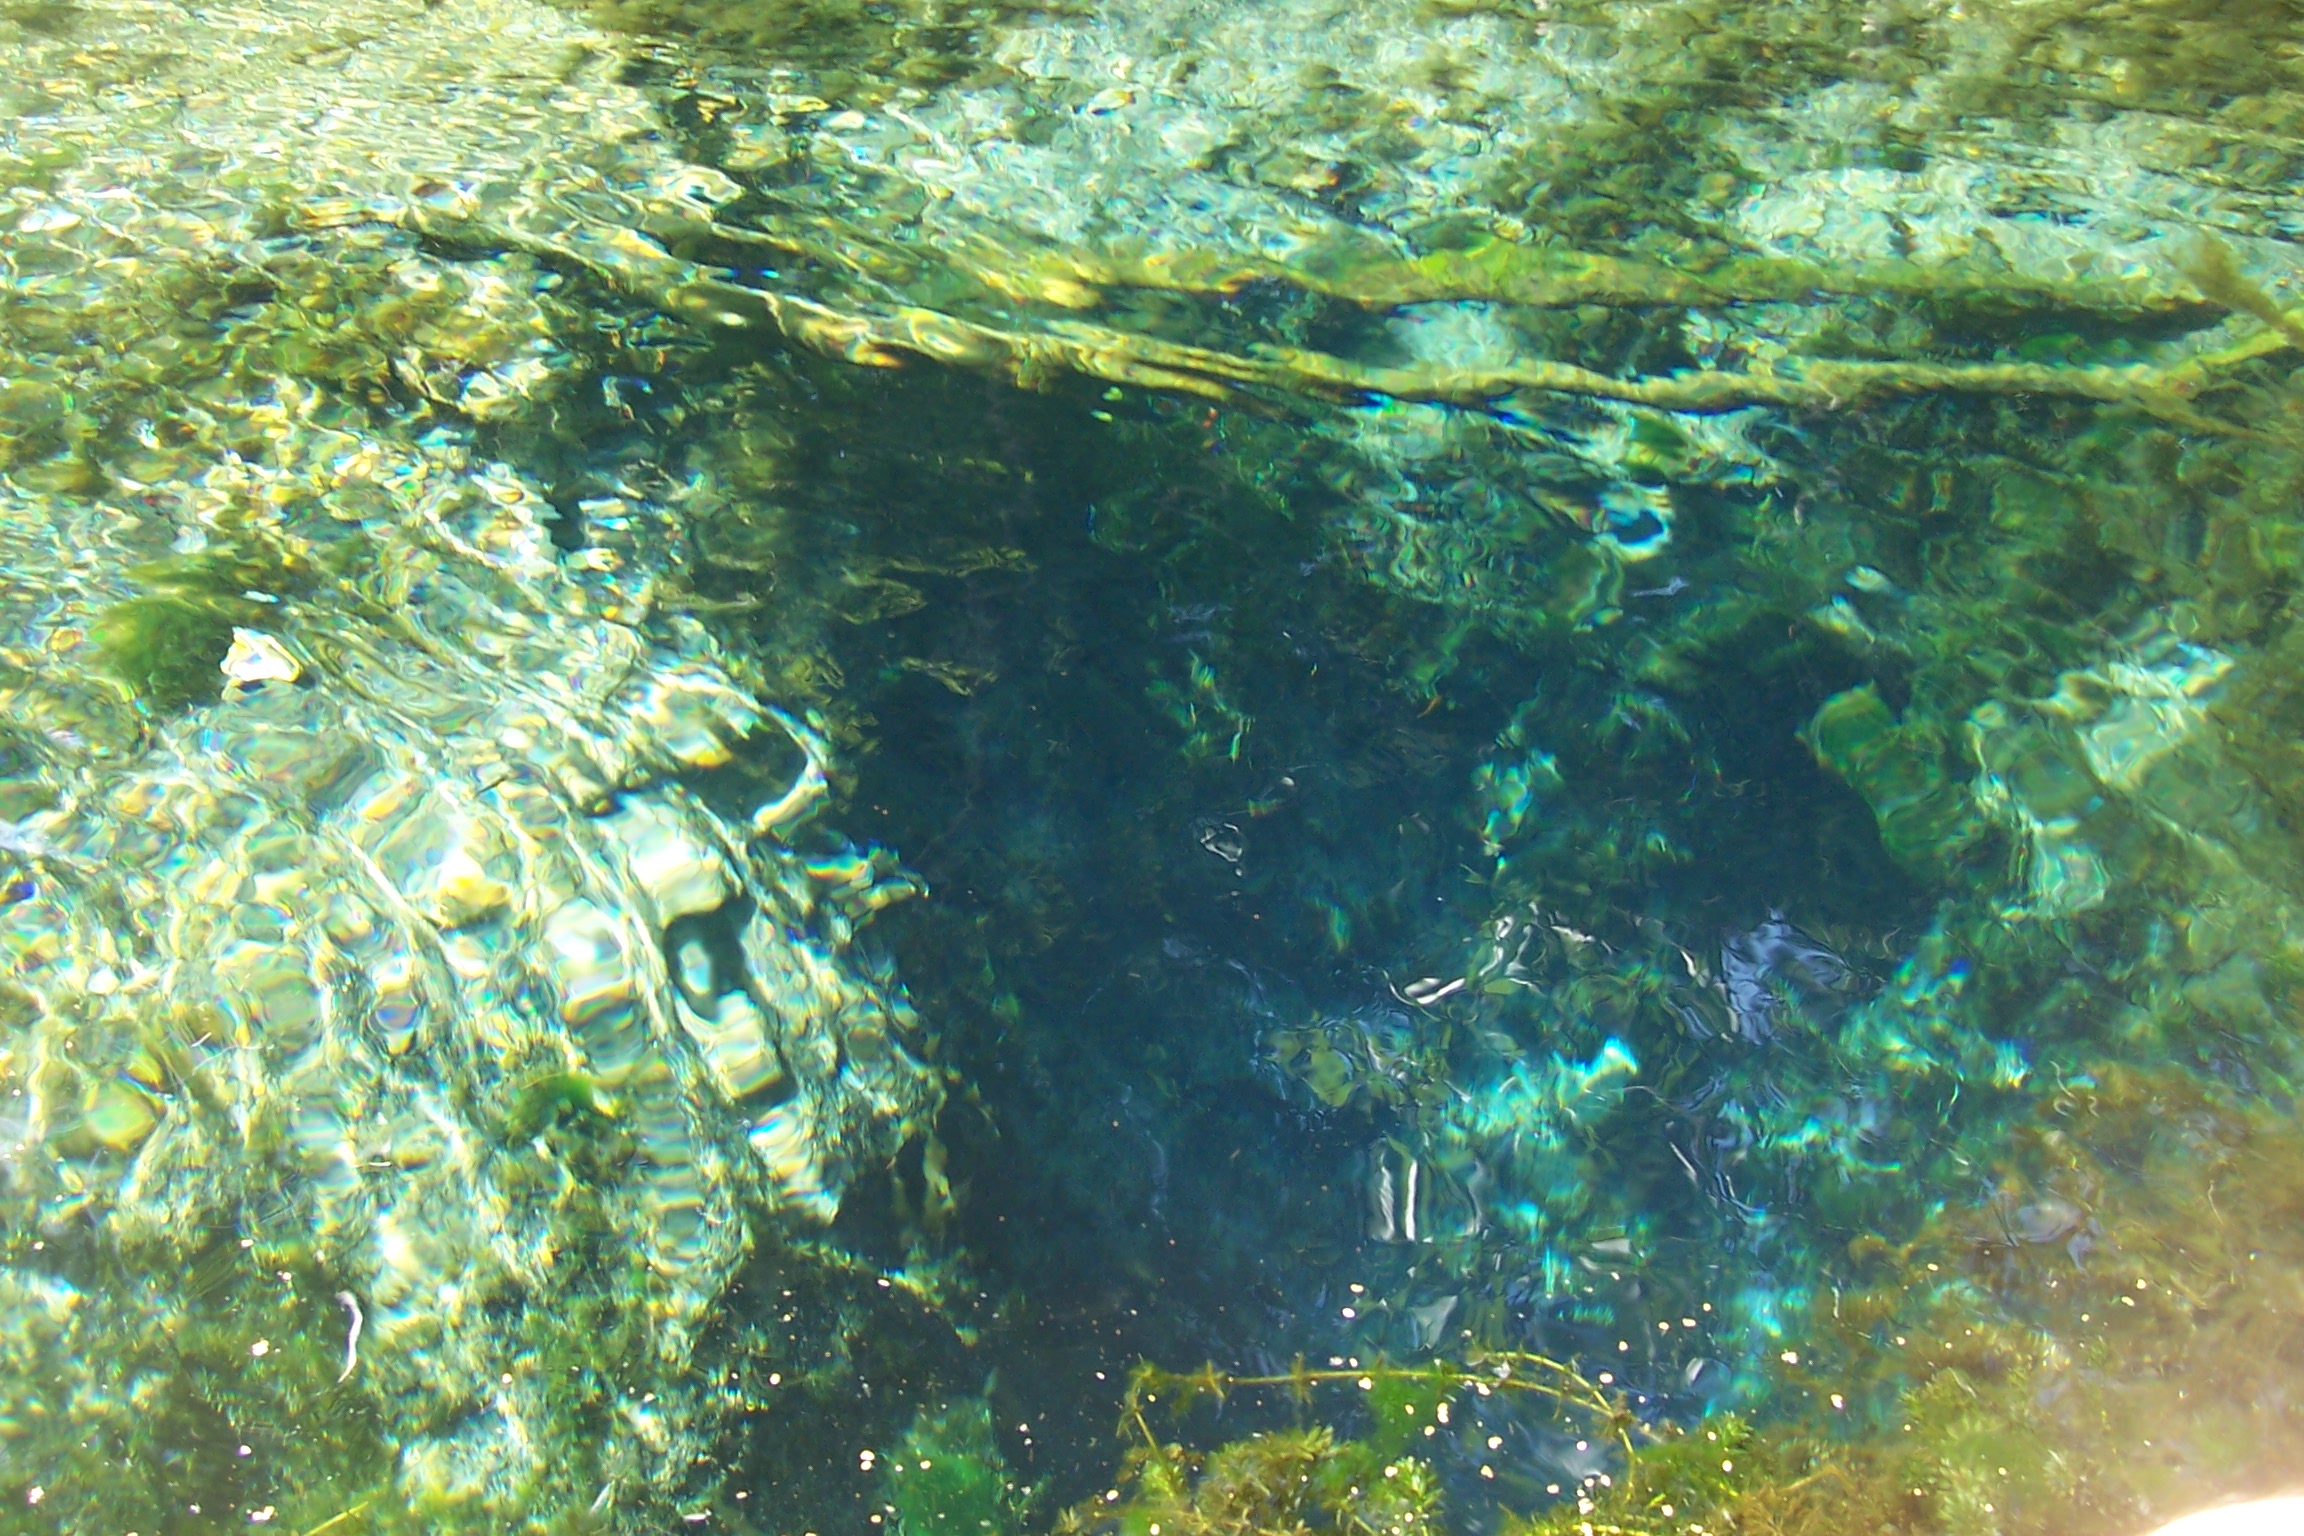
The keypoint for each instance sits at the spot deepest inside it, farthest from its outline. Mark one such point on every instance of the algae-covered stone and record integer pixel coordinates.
(330, 1123)
(119, 1116)
(1901, 773)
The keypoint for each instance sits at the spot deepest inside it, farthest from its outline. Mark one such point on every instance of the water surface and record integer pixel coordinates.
(1552, 745)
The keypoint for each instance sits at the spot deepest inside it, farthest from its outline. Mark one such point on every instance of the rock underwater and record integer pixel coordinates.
(399, 1057)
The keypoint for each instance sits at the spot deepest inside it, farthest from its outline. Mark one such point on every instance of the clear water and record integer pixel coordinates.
(1149, 766)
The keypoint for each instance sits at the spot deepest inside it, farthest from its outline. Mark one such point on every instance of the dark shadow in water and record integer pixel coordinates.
(1103, 680)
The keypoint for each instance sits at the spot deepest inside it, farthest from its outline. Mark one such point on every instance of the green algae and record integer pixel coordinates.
(205, 1413)
(1304, 1480)
(948, 1478)
(168, 646)
(168, 643)
(1903, 775)
(544, 1100)
(1313, 1477)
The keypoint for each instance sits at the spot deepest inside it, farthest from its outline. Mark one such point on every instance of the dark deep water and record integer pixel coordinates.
(1123, 907)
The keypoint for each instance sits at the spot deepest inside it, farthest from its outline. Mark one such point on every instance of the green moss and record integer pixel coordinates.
(948, 1477)
(167, 644)
(1903, 774)
(547, 1100)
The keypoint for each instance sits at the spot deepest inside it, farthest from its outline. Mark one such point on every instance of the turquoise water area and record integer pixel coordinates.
(1150, 766)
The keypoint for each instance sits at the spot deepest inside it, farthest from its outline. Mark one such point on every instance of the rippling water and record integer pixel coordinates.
(1150, 766)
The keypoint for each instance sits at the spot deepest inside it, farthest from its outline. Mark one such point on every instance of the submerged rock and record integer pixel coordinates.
(341, 930)
(373, 1141)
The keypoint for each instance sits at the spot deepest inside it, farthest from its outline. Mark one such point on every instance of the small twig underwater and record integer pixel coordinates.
(333, 1521)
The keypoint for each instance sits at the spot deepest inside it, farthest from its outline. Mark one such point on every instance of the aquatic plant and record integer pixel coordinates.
(1312, 1479)
(169, 642)
(948, 1478)
(2071, 1353)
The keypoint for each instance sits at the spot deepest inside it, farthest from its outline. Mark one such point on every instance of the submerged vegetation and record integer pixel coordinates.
(948, 1478)
(1978, 1377)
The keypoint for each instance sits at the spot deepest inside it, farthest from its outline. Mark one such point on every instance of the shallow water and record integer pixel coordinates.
(1149, 766)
